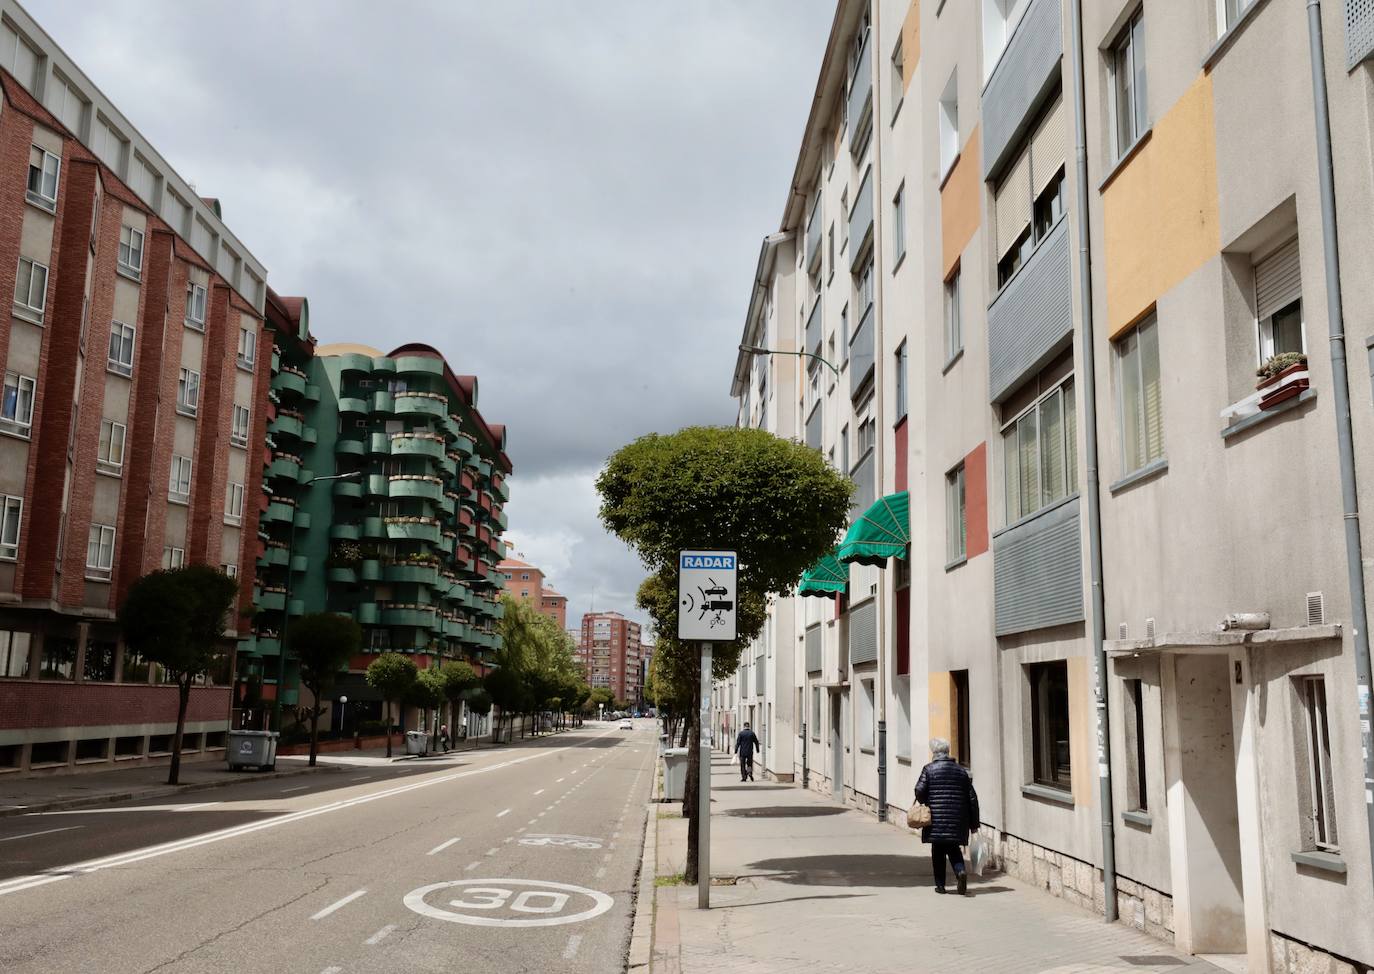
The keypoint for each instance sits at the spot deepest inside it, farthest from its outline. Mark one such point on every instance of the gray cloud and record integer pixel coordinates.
(564, 198)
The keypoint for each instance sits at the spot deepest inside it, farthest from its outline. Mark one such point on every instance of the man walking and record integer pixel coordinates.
(746, 743)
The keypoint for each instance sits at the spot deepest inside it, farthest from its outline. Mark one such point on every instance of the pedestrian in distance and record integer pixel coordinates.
(443, 737)
(746, 743)
(946, 788)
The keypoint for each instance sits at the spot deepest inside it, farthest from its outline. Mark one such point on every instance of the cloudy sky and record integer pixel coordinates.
(565, 198)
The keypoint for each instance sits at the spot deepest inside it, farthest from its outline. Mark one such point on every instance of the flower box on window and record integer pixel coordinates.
(1281, 378)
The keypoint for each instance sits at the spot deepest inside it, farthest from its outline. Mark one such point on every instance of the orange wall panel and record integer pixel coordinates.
(976, 500)
(960, 205)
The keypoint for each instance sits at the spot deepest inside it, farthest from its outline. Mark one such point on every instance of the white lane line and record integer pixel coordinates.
(600, 871)
(362, 777)
(337, 905)
(560, 781)
(332, 970)
(493, 851)
(19, 883)
(471, 866)
(570, 951)
(30, 835)
(520, 829)
(607, 857)
(539, 792)
(530, 822)
(441, 846)
(503, 814)
(508, 839)
(380, 935)
(297, 788)
(194, 805)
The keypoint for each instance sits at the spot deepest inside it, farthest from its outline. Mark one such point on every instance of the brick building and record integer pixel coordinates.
(131, 397)
(524, 581)
(611, 655)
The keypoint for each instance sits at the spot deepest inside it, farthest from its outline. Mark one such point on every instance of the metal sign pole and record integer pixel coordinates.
(704, 787)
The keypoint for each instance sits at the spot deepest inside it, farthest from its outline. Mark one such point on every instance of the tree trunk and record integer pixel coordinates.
(388, 728)
(689, 798)
(686, 729)
(183, 699)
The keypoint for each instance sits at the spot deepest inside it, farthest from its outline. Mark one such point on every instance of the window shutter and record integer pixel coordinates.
(1049, 147)
(1278, 280)
(1013, 205)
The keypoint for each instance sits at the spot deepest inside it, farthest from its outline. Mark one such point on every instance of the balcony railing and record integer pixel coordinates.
(1037, 570)
(1026, 73)
(861, 95)
(861, 221)
(813, 328)
(813, 239)
(861, 353)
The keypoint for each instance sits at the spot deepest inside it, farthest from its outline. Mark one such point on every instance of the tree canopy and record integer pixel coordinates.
(324, 642)
(392, 675)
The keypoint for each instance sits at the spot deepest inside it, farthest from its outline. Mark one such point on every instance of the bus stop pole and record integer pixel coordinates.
(704, 786)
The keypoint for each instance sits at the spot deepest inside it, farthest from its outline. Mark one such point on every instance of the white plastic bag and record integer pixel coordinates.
(978, 853)
(734, 757)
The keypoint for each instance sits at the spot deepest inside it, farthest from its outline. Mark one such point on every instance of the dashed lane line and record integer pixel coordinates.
(442, 846)
(503, 813)
(297, 788)
(471, 866)
(380, 935)
(30, 835)
(339, 904)
(570, 951)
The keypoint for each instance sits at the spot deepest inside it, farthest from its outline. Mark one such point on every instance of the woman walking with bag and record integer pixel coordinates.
(945, 788)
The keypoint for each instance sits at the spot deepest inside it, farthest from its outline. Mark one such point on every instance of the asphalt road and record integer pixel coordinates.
(518, 859)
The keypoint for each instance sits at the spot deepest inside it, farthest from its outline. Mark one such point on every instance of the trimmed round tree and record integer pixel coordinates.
(324, 642)
(459, 677)
(391, 674)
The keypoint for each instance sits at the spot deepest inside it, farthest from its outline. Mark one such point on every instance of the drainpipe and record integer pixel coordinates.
(1099, 609)
(1340, 384)
(879, 358)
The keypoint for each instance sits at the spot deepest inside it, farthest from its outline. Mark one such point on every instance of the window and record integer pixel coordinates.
(815, 713)
(1320, 800)
(863, 288)
(248, 347)
(195, 306)
(897, 80)
(1029, 200)
(949, 124)
(121, 348)
(57, 661)
(100, 551)
(1040, 452)
(902, 686)
(131, 250)
(238, 433)
(1000, 18)
(900, 383)
(233, 502)
(1278, 302)
(844, 223)
(179, 485)
(1229, 13)
(43, 171)
(844, 450)
(188, 392)
(11, 516)
(31, 289)
(959, 744)
(173, 557)
(830, 249)
(1137, 788)
(16, 408)
(111, 456)
(865, 714)
(954, 326)
(14, 654)
(844, 336)
(1128, 83)
(865, 438)
(100, 661)
(1049, 713)
(1137, 381)
(899, 225)
(956, 534)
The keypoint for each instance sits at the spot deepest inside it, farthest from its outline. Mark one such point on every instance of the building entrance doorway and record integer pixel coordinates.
(837, 746)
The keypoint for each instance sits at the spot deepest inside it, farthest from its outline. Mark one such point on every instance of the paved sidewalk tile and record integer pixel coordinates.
(813, 886)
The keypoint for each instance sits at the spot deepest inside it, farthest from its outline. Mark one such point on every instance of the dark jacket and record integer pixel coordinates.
(947, 790)
(747, 742)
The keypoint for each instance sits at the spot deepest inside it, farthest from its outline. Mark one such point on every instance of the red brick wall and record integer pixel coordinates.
(205, 528)
(31, 703)
(254, 498)
(899, 436)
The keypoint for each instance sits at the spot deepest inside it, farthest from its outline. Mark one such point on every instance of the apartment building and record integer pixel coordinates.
(612, 655)
(383, 498)
(1042, 378)
(132, 393)
(524, 581)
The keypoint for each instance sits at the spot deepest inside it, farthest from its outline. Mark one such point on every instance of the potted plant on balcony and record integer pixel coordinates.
(1281, 378)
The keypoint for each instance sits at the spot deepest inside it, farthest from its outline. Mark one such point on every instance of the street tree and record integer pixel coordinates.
(459, 677)
(391, 674)
(177, 618)
(777, 503)
(428, 693)
(324, 642)
(478, 702)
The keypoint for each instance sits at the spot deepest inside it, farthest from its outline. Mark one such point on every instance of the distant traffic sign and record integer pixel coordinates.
(706, 593)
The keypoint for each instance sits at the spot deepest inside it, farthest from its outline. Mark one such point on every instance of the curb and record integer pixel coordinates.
(642, 934)
(157, 792)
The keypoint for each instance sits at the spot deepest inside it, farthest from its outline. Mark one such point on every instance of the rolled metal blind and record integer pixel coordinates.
(1278, 280)
(1050, 146)
(863, 633)
(1012, 203)
(813, 649)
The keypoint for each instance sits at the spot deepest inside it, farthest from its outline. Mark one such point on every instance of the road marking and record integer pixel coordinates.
(441, 846)
(530, 822)
(520, 829)
(570, 951)
(380, 935)
(341, 903)
(540, 897)
(194, 805)
(539, 792)
(20, 883)
(493, 851)
(503, 814)
(607, 857)
(472, 865)
(332, 970)
(30, 835)
(560, 781)
(508, 839)
(362, 777)
(297, 788)
(600, 871)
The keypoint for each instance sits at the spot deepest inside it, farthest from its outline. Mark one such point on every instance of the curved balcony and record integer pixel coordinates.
(421, 404)
(455, 629)
(410, 616)
(502, 520)
(365, 613)
(278, 512)
(377, 485)
(419, 365)
(302, 520)
(312, 393)
(296, 607)
(467, 481)
(348, 488)
(374, 529)
(272, 601)
(502, 489)
(436, 625)
(350, 448)
(413, 574)
(272, 558)
(383, 364)
(412, 529)
(284, 467)
(370, 569)
(379, 444)
(285, 426)
(342, 576)
(300, 564)
(498, 611)
(483, 468)
(465, 444)
(349, 406)
(308, 434)
(429, 489)
(382, 402)
(428, 445)
(344, 532)
(353, 362)
(267, 646)
(289, 382)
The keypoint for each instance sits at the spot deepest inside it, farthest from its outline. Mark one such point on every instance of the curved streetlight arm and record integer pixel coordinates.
(757, 350)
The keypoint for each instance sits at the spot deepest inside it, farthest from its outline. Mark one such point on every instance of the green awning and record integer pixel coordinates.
(825, 578)
(880, 533)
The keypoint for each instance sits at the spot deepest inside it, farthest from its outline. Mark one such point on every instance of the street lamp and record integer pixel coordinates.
(758, 350)
(286, 618)
(343, 712)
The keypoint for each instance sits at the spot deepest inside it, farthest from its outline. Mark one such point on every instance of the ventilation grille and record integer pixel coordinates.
(1359, 31)
(1121, 630)
(1316, 603)
(1150, 628)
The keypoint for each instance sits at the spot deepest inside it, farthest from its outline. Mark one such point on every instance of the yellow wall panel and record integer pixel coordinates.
(941, 705)
(1160, 211)
(1082, 730)
(911, 43)
(960, 205)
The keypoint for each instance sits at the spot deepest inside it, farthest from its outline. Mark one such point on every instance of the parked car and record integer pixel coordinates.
(627, 724)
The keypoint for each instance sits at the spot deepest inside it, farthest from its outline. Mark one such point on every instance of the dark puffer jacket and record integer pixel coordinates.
(947, 790)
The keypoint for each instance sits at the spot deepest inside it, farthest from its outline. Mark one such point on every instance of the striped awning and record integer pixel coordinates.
(880, 533)
(825, 578)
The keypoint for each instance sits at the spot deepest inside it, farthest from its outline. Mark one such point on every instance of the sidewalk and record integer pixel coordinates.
(802, 883)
